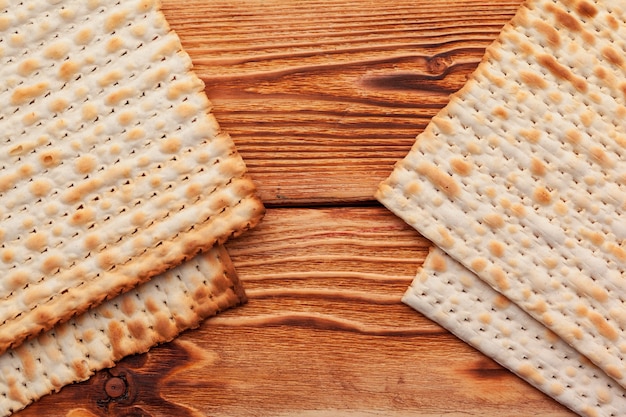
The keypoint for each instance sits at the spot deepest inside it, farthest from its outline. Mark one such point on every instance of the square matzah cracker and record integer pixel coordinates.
(131, 323)
(112, 170)
(522, 177)
(449, 294)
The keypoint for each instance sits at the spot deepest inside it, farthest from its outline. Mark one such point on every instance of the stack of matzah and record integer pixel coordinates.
(521, 179)
(112, 171)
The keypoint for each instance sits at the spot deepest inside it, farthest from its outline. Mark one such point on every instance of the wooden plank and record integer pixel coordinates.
(324, 333)
(322, 97)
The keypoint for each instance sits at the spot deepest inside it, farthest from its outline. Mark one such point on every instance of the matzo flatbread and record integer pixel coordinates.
(449, 294)
(155, 312)
(522, 177)
(112, 170)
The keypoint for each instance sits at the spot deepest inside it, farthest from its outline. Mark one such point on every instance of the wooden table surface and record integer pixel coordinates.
(322, 97)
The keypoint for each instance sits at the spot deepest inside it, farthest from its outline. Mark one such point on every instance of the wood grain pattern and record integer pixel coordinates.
(321, 97)
(334, 90)
(324, 333)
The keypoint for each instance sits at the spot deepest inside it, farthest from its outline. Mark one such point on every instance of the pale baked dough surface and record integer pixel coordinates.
(154, 312)
(112, 169)
(522, 177)
(449, 294)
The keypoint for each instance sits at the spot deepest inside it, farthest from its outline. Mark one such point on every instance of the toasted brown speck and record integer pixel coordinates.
(116, 97)
(412, 188)
(114, 44)
(85, 164)
(600, 72)
(193, 190)
(164, 326)
(89, 111)
(126, 118)
(478, 264)
(444, 124)
(180, 88)
(518, 210)
(106, 259)
(17, 280)
(565, 19)
(137, 329)
(114, 21)
(40, 187)
(617, 251)
(603, 326)
(537, 167)
(586, 9)
(8, 255)
(573, 136)
(58, 105)
(460, 166)
(613, 56)
(110, 78)
(446, 241)
(84, 36)
(23, 95)
(135, 133)
(127, 306)
(51, 264)
(500, 112)
(171, 46)
(499, 277)
(17, 39)
(116, 336)
(560, 208)
(57, 50)
(599, 293)
(145, 5)
(599, 156)
(171, 145)
(531, 135)
(533, 80)
(138, 218)
(83, 216)
(26, 171)
(527, 371)
(28, 66)
(68, 69)
(501, 302)
(50, 158)
(494, 220)
(562, 72)
(549, 33)
(438, 263)
(36, 241)
(30, 118)
(92, 241)
(542, 196)
(613, 372)
(5, 22)
(612, 22)
(496, 248)
(186, 110)
(440, 179)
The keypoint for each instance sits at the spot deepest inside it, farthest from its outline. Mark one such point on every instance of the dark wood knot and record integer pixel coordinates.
(115, 387)
(438, 64)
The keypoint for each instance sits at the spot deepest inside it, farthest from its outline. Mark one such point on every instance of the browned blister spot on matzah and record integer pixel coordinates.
(542, 215)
